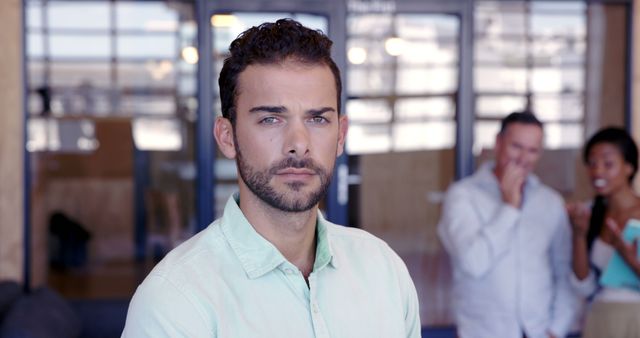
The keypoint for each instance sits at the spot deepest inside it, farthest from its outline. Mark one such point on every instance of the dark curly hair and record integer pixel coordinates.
(272, 43)
(619, 138)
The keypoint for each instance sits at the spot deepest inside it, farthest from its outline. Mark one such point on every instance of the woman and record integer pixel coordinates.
(611, 157)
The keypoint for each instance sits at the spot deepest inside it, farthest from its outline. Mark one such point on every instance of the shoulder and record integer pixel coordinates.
(550, 195)
(358, 247)
(189, 257)
(342, 235)
(470, 188)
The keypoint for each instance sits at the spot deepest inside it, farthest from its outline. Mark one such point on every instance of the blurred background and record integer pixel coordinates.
(107, 160)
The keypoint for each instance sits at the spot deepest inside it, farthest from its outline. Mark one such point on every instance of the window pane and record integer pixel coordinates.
(35, 73)
(500, 79)
(559, 25)
(425, 108)
(558, 6)
(569, 80)
(425, 135)
(83, 99)
(314, 21)
(485, 135)
(426, 80)
(151, 74)
(70, 74)
(82, 15)
(374, 53)
(363, 139)
(150, 16)
(368, 111)
(494, 18)
(148, 46)
(68, 136)
(559, 107)
(80, 46)
(148, 104)
(35, 45)
(33, 14)
(429, 52)
(420, 26)
(499, 106)
(34, 103)
(157, 134)
(558, 135)
(558, 51)
(369, 81)
(370, 24)
(508, 52)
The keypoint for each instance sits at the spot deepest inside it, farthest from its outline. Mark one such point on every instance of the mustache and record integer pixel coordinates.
(290, 162)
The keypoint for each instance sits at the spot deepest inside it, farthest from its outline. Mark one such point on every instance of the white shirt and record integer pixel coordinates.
(228, 281)
(511, 266)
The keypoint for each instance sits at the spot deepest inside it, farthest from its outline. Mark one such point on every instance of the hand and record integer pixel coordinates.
(579, 215)
(511, 182)
(626, 250)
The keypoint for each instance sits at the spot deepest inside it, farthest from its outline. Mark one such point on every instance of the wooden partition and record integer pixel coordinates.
(11, 142)
(400, 197)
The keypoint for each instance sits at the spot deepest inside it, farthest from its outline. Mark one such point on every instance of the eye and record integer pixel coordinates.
(319, 119)
(268, 120)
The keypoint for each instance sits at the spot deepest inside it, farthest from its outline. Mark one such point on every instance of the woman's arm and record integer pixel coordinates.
(579, 215)
(628, 251)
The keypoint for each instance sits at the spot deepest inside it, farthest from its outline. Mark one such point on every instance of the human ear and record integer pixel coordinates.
(342, 133)
(223, 133)
(628, 169)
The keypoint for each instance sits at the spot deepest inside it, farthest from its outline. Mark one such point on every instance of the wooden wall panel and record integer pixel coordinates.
(11, 142)
(400, 195)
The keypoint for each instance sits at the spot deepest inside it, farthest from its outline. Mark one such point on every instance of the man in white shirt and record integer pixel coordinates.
(507, 235)
(272, 266)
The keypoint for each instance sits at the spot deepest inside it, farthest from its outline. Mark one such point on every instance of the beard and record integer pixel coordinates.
(259, 183)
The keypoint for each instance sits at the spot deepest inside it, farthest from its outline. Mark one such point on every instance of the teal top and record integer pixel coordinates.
(229, 281)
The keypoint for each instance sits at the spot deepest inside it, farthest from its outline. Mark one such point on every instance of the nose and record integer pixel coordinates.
(596, 170)
(296, 139)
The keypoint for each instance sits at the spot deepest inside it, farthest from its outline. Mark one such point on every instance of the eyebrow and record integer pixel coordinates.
(316, 112)
(268, 109)
(282, 109)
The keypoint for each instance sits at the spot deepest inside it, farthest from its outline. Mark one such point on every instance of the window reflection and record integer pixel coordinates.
(110, 129)
(408, 65)
(530, 55)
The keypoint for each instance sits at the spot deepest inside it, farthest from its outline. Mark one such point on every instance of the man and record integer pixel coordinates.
(272, 266)
(508, 238)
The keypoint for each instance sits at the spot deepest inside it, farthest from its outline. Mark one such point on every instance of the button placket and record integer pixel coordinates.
(319, 325)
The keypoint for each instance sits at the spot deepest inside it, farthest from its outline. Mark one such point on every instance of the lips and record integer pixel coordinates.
(295, 171)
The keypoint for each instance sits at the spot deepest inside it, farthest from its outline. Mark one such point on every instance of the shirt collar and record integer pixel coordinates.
(256, 254)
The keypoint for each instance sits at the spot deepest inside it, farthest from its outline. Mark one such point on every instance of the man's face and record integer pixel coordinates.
(287, 133)
(520, 144)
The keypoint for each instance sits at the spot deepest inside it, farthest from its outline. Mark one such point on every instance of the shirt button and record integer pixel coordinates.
(288, 271)
(314, 308)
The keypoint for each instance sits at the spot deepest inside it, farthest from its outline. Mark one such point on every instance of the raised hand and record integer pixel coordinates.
(511, 184)
(579, 214)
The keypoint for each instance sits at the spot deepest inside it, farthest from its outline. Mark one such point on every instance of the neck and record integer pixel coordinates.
(622, 199)
(292, 233)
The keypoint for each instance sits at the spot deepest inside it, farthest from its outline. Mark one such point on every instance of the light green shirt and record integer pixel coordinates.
(228, 281)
